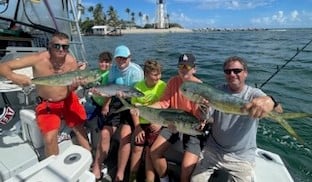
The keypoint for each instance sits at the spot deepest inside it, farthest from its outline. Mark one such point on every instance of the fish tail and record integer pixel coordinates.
(125, 106)
(281, 120)
(295, 115)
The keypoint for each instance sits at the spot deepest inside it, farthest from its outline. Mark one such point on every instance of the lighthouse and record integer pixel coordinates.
(161, 20)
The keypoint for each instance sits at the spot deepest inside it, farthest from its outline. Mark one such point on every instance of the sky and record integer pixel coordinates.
(195, 14)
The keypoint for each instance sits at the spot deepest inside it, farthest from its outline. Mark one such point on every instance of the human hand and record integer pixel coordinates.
(139, 134)
(95, 91)
(201, 125)
(135, 111)
(259, 107)
(172, 127)
(82, 65)
(77, 81)
(105, 110)
(205, 102)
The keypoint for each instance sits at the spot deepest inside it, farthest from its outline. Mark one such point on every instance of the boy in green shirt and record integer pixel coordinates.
(144, 133)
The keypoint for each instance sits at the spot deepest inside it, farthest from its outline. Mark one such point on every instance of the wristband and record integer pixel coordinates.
(274, 101)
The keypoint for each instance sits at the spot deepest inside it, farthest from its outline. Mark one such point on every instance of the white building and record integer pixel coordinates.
(161, 20)
(101, 29)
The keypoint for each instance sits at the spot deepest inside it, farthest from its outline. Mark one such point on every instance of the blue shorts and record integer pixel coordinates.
(94, 110)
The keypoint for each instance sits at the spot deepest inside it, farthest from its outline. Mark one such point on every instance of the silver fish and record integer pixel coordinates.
(184, 121)
(227, 103)
(64, 79)
(113, 89)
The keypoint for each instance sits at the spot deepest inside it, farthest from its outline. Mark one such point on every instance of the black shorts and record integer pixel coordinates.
(116, 119)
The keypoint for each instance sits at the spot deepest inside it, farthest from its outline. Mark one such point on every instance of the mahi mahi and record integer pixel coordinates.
(227, 103)
(64, 79)
(184, 121)
(113, 89)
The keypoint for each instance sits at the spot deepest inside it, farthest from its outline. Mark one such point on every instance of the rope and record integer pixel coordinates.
(280, 68)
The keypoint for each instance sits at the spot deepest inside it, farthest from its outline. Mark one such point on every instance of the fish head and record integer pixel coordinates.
(138, 94)
(190, 90)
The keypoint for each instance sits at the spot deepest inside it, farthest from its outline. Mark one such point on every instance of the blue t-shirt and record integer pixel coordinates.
(128, 76)
(236, 134)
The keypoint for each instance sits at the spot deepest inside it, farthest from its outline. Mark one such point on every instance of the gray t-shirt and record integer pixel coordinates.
(235, 134)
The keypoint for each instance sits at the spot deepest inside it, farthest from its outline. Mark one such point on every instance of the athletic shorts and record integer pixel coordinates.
(190, 143)
(150, 136)
(49, 114)
(94, 110)
(116, 119)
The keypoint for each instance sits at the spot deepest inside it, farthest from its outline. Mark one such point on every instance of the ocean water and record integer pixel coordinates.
(264, 51)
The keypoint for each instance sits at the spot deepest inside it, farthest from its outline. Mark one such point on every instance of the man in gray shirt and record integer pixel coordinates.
(232, 143)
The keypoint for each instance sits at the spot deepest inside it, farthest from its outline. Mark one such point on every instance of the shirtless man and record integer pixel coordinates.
(56, 101)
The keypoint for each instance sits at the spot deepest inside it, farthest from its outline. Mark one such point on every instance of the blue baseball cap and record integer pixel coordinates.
(122, 51)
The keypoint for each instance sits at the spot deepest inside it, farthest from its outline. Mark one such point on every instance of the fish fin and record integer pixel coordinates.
(295, 115)
(278, 118)
(125, 106)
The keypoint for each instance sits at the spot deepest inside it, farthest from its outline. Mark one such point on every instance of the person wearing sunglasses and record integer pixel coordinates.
(231, 144)
(174, 99)
(56, 102)
(123, 72)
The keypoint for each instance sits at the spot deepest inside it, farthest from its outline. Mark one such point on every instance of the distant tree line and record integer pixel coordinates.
(110, 18)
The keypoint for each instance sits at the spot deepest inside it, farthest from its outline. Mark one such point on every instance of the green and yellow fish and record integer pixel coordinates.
(64, 79)
(227, 103)
(184, 121)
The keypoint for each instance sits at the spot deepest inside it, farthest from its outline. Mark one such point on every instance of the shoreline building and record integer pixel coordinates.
(161, 20)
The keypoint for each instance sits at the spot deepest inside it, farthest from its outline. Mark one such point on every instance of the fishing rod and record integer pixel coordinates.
(278, 69)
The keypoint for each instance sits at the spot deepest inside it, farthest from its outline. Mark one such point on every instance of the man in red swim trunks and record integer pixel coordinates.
(57, 102)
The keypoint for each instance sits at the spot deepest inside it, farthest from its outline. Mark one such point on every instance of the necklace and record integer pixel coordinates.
(57, 67)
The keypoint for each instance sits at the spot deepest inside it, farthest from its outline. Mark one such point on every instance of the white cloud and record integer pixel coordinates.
(294, 16)
(281, 18)
(228, 4)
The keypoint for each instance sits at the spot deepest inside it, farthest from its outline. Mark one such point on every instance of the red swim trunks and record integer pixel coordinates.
(50, 114)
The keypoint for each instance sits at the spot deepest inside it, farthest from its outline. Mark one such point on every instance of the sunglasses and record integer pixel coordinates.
(184, 66)
(122, 58)
(235, 71)
(65, 47)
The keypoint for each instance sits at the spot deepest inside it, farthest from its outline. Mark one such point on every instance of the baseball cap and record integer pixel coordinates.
(122, 51)
(187, 59)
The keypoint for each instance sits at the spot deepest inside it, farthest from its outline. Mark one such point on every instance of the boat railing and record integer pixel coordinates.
(76, 40)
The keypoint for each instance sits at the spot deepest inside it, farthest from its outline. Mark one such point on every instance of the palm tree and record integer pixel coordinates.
(132, 18)
(90, 10)
(168, 22)
(146, 18)
(112, 17)
(141, 15)
(98, 15)
(128, 12)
